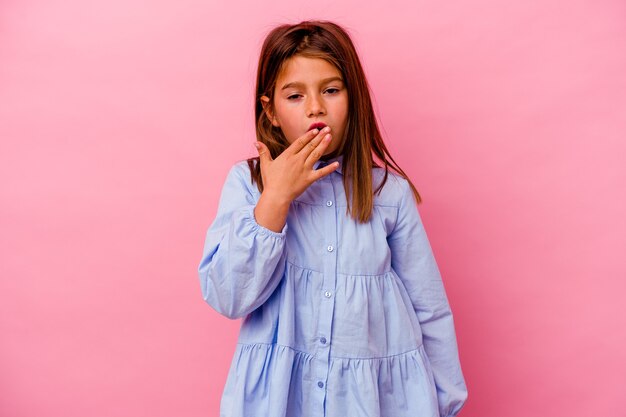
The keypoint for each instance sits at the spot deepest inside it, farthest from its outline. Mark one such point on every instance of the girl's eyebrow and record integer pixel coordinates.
(297, 83)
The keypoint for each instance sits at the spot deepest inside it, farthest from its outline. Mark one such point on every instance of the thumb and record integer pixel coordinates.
(264, 152)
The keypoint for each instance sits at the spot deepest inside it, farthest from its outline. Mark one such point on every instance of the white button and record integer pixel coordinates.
(329, 203)
(330, 248)
(327, 294)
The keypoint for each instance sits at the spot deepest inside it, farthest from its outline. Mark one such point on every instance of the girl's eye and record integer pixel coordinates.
(298, 95)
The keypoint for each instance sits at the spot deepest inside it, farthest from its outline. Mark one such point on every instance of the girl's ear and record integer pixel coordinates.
(265, 102)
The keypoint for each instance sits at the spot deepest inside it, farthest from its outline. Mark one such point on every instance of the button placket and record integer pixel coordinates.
(328, 229)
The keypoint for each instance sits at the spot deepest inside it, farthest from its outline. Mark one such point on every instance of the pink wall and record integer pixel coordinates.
(120, 119)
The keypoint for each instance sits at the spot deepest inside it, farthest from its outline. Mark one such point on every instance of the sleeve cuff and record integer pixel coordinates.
(249, 215)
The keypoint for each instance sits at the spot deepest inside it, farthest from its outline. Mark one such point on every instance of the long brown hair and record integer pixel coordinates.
(328, 41)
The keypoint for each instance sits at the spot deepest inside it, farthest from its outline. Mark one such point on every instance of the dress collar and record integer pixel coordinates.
(320, 163)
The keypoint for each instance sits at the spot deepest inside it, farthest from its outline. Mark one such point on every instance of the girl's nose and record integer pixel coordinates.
(315, 106)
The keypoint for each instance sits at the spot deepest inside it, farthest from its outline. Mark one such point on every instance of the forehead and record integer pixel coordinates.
(305, 70)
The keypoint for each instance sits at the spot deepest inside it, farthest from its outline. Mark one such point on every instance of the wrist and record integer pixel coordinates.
(275, 199)
(271, 211)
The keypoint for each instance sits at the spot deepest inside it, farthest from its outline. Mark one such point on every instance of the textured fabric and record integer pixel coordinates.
(340, 319)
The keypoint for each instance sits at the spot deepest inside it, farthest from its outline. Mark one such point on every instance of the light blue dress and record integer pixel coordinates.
(340, 319)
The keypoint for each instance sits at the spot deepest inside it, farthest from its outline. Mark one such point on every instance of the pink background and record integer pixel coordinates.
(120, 119)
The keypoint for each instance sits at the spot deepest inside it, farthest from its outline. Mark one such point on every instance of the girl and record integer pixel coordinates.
(323, 253)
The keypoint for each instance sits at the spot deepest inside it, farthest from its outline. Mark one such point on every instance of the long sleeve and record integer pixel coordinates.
(242, 262)
(413, 261)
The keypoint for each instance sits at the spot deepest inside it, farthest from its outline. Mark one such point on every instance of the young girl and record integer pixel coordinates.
(323, 253)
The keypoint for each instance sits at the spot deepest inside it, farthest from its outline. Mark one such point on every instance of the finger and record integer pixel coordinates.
(315, 142)
(322, 172)
(315, 149)
(264, 152)
(304, 140)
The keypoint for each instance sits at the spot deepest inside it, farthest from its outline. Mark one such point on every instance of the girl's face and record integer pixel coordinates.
(309, 90)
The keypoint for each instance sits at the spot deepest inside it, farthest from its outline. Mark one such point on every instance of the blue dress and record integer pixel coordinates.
(340, 319)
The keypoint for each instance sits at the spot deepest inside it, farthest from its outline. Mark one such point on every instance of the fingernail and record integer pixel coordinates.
(256, 144)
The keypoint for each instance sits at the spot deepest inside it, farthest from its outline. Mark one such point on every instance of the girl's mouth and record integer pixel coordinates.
(317, 125)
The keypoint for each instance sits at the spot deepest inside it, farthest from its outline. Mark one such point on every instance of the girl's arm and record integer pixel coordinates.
(242, 261)
(413, 261)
